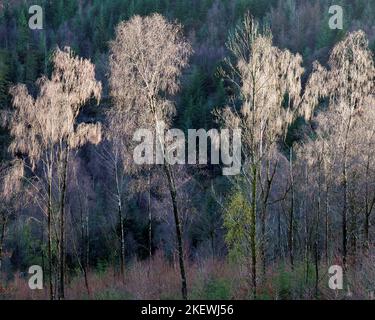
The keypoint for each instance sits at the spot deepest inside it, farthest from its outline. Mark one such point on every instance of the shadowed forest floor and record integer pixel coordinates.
(207, 280)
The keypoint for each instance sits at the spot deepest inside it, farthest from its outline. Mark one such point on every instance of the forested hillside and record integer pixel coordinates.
(73, 201)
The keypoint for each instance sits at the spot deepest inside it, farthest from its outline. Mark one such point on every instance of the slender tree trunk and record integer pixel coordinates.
(316, 260)
(279, 243)
(62, 225)
(344, 216)
(121, 222)
(2, 237)
(253, 230)
(122, 240)
(212, 236)
(306, 249)
(307, 269)
(367, 224)
(353, 231)
(85, 270)
(172, 189)
(42, 251)
(262, 243)
(291, 215)
(317, 222)
(173, 192)
(345, 200)
(49, 227)
(368, 209)
(367, 232)
(84, 246)
(316, 246)
(266, 193)
(149, 223)
(326, 242)
(87, 250)
(149, 217)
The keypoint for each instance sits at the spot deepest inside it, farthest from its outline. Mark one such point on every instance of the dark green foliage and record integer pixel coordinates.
(217, 289)
(194, 102)
(4, 77)
(257, 8)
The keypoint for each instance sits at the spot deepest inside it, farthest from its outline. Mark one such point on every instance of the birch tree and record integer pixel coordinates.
(10, 200)
(268, 85)
(348, 84)
(45, 130)
(146, 60)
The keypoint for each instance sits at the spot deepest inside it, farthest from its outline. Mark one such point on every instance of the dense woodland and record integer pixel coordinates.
(73, 201)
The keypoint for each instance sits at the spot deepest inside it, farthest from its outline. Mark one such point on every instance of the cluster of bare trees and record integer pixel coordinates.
(334, 161)
(303, 191)
(146, 60)
(264, 75)
(338, 159)
(45, 131)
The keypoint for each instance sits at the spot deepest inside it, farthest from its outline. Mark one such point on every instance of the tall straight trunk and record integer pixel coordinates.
(42, 251)
(149, 217)
(306, 249)
(262, 243)
(173, 192)
(49, 231)
(279, 244)
(212, 237)
(326, 230)
(172, 189)
(2, 237)
(367, 224)
(120, 221)
(62, 225)
(87, 251)
(316, 261)
(306, 230)
(369, 204)
(266, 193)
(291, 215)
(344, 216)
(253, 230)
(317, 222)
(367, 232)
(316, 247)
(122, 239)
(84, 246)
(149, 223)
(254, 182)
(353, 230)
(345, 198)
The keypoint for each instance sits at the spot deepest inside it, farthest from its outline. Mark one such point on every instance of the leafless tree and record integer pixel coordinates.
(45, 129)
(348, 84)
(10, 200)
(146, 60)
(263, 76)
